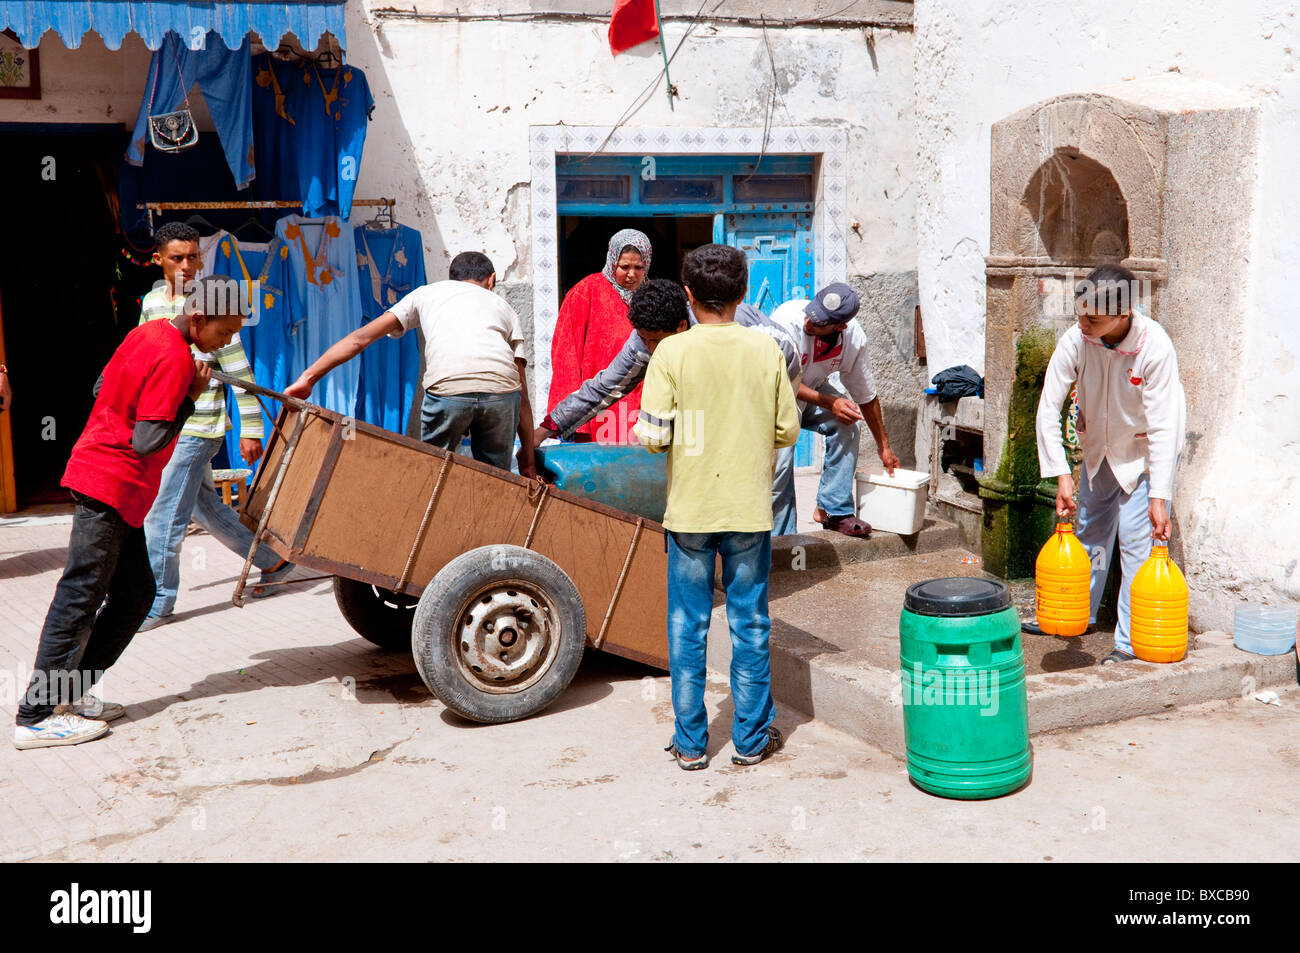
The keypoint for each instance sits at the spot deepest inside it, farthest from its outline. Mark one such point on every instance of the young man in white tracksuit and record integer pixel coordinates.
(1132, 422)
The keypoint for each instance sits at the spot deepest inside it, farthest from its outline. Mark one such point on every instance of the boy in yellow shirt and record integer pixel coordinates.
(717, 399)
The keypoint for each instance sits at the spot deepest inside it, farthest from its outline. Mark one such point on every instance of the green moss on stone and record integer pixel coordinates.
(994, 536)
(1019, 506)
(1018, 467)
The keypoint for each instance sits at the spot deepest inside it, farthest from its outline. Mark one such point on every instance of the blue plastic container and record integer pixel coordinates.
(628, 478)
(1264, 630)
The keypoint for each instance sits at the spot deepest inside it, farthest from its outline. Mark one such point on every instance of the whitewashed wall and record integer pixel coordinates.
(980, 61)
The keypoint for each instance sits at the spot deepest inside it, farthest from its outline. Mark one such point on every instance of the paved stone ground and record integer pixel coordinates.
(272, 732)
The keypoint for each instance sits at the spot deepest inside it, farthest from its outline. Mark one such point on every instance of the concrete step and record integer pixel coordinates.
(826, 549)
(835, 652)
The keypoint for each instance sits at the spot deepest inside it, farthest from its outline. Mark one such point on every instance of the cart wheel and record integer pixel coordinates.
(379, 615)
(499, 633)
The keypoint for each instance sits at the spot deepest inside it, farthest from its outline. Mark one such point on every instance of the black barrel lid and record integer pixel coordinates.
(957, 596)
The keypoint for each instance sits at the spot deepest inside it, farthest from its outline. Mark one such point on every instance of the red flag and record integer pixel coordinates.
(631, 23)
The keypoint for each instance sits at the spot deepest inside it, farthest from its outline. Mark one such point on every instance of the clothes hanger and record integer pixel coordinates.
(197, 219)
(327, 59)
(383, 219)
(253, 222)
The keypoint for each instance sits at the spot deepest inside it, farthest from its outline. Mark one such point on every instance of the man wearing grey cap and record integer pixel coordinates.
(830, 341)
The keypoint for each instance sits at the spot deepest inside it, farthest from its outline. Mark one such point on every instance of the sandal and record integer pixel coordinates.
(848, 525)
(685, 763)
(270, 578)
(775, 742)
(1117, 656)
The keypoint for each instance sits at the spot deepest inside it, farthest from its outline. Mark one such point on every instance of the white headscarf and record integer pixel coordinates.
(621, 240)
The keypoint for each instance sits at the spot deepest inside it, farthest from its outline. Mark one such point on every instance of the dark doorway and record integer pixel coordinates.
(58, 268)
(584, 241)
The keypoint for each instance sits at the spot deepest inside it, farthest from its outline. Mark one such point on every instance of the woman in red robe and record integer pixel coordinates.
(591, 329)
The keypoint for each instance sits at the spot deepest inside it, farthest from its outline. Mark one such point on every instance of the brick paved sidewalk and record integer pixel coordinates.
(269, 678)
(273, 733)
(127, 782)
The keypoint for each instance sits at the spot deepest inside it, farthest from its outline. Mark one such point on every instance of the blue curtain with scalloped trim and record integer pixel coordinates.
(151, 19)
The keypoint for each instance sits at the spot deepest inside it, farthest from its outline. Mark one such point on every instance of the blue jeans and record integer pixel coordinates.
(490, 419)
(1104, 511)
(186, 492)
(835, 490)
(746, 564)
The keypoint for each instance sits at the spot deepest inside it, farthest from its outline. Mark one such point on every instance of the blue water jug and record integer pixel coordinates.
(628, 478)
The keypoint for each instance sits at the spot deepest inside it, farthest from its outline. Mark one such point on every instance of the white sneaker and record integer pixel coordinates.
(58, 729)
(94, 708)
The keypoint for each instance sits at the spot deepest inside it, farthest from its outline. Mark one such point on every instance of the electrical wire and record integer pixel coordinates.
(901, 22)
(771, 104)
(646, 94)
(776, 89)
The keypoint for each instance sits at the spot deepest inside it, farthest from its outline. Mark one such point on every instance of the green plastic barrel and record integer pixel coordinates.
(965, 711)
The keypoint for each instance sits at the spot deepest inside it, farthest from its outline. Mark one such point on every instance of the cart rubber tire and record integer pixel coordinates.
(378, 615)
(459, 607)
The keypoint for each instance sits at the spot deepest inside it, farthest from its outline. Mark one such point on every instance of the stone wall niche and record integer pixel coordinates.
(1155, 174)
(1072, 212)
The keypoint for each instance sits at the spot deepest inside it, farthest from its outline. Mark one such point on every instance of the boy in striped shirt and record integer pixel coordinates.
(187, 490)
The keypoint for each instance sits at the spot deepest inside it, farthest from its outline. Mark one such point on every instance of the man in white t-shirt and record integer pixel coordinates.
(830, 342)
(474, 380)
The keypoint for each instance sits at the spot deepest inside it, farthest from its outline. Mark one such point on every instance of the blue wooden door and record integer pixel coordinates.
(779, 248)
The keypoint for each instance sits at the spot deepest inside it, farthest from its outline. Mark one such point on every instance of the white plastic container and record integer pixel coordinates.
(893, 504)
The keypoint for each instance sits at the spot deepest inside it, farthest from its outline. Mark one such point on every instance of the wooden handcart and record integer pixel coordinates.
(496, 584)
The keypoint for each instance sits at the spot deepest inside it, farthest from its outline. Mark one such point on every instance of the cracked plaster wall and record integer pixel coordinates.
(978, 63)
(454, 103)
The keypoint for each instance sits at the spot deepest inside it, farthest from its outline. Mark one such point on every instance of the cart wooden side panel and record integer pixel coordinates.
(298, 480)
(374, 506)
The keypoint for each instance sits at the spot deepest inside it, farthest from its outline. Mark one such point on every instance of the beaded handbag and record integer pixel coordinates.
(173, 131)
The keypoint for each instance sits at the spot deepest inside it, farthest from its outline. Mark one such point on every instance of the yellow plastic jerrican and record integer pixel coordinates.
(1061, 576)
(1158, 609)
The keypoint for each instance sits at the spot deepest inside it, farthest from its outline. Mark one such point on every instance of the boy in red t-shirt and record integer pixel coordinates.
(142, 399)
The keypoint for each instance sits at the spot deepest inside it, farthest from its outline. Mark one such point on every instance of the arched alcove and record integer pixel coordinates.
(1076, 182)
(1077, 212)
(1157, 174)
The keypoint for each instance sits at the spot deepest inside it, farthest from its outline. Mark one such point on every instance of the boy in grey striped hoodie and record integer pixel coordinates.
(651, 323)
